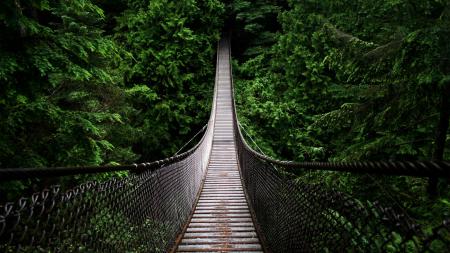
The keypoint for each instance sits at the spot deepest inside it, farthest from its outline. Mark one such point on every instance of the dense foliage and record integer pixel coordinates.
(88, 82)
(349, 81)
(82, 85)
(171, 73)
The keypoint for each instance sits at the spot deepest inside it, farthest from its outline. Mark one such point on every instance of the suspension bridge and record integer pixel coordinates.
(219, 196)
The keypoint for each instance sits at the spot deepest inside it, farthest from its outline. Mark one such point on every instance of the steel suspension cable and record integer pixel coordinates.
(250, 137)
(193, 137)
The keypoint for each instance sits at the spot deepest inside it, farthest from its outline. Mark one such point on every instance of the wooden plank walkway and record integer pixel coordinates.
(222, 221)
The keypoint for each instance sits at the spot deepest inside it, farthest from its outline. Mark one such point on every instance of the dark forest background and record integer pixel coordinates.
(97, 82)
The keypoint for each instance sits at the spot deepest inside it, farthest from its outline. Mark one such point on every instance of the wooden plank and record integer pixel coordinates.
(219, 176)
(213, 205)
(224, 188)
(230, 224)
(223, 181)
(221, 208)
(219, 240)
(216, 187)
(220, 220)
(221, 215)
(221, 194)
(225, 194)
(211, 209)
(220, 247)
(224, 191)
(230, 173)
(219, 229)
(227, 184)
(221, 197)
(222, 235)
(222, 200)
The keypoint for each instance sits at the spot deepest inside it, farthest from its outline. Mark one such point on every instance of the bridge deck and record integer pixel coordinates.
(221, 221)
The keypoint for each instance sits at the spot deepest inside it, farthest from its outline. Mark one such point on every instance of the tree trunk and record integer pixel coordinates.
(441, 135)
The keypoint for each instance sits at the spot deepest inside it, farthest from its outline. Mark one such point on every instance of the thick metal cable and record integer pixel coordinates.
(190, 140)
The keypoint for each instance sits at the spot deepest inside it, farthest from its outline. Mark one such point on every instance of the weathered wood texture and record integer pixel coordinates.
(222, 221)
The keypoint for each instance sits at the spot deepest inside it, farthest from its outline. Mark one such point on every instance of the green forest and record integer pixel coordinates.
(349, 81)
(109, 82)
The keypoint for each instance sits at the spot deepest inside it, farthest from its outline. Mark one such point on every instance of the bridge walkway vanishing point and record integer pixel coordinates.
(221, 220)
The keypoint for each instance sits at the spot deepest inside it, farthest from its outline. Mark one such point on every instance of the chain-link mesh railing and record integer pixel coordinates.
(142, 212)
(301, 214)
(139, 213)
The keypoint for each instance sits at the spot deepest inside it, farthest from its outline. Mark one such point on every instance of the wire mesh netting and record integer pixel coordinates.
(139, 213)
(301, 216)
